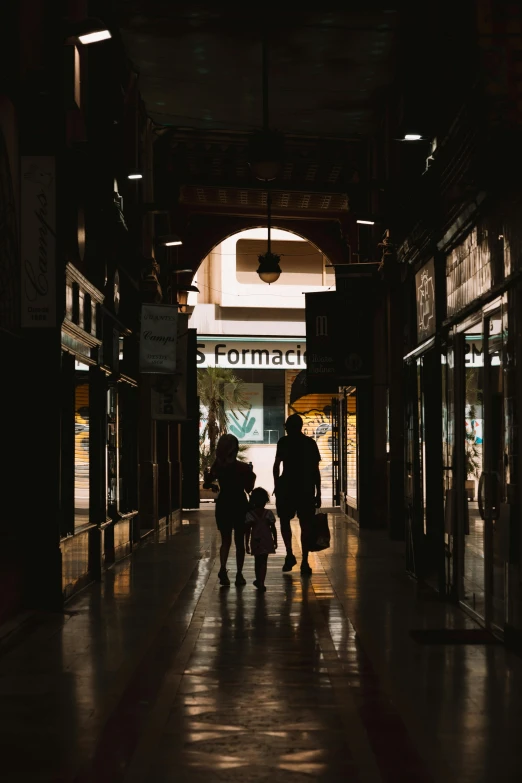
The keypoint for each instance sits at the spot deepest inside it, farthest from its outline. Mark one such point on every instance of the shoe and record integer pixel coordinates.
(223, 578)
(290, 562)
(261, 588)
(306, 570)
(240, 579)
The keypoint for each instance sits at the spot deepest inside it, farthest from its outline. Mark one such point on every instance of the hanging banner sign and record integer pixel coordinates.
(247, 424)
(38, 241)
(339, 335)
(169, 396)
(158, 337)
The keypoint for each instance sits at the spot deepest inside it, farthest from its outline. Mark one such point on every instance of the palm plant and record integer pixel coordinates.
(219, 391)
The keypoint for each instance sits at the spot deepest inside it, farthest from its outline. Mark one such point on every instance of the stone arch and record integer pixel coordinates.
(203, 233)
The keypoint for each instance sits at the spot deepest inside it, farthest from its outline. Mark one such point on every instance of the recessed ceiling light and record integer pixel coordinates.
(94, 37)
(170, 240)
(412, 137)
(366, 222)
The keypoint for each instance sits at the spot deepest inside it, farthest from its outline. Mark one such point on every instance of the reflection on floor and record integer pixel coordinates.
(158, 674)
(474, 595)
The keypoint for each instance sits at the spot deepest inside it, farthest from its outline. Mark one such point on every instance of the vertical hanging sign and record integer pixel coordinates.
(38, 241)
(169, 395)
(158, 337)
(425, 285)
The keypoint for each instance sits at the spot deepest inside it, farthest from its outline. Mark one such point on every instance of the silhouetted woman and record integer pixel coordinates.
(235, 480)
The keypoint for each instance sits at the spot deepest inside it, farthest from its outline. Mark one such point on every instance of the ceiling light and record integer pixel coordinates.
(412, 137)
(95, 36)
(134, 175)
(170, 240)
(366, 222)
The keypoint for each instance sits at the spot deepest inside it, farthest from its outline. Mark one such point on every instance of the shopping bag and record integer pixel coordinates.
(320, 533)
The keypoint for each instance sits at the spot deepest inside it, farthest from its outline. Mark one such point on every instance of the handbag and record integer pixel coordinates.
(320, 533)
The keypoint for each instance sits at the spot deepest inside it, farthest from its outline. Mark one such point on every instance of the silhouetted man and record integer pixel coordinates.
(298, 490)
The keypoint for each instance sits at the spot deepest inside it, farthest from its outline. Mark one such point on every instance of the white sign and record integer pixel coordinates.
(158, 337)
(169, 396)
(247, 425)
(38, 241)
(269, 355)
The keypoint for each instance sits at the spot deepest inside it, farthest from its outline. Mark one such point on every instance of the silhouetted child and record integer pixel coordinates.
(261, 534)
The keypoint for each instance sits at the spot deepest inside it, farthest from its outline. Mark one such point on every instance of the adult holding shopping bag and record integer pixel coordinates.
(298, 489)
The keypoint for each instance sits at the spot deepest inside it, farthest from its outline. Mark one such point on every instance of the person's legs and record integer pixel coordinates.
(226, 541)
(286, 533)
(306, 514)
(260, 566)
(239, 540)
(286, 512)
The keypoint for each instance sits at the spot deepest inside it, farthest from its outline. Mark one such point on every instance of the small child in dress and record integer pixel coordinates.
(261, 534)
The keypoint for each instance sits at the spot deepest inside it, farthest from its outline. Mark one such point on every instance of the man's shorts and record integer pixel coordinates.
(289, 505)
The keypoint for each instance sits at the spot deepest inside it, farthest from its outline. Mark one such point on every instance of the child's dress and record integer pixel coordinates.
(261, 541)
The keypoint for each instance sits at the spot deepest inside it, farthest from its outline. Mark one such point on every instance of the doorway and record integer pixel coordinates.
(482, 566)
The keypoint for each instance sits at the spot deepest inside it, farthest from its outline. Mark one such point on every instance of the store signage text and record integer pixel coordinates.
(275, 356)
(38, 241)
(474, 354)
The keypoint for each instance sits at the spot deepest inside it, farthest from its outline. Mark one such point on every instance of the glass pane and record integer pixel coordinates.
(352, 456)
(422, 440)
(495, 446)
(473, 575)
(81, 450)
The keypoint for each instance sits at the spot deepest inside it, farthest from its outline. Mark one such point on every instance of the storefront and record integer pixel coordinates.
(98, 435)
(348, 448)
(270, 369)
(466, 540)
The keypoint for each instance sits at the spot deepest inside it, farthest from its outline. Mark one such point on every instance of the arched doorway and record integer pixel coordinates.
(257, 333)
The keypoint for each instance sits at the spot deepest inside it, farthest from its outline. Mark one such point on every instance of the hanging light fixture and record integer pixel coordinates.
(266, 147)
(269, 270)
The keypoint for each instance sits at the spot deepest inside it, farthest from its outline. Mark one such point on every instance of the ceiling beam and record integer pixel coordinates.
(279, 187)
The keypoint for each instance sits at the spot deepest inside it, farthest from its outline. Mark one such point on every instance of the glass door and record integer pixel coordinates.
(471, 521)
(482, 567)
(492, 487)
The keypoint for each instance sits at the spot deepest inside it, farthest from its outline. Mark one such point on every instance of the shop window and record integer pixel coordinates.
(112, 452)
(87, 313)
(81, 450)
(262, 421)
(75, 303)
(352, 448)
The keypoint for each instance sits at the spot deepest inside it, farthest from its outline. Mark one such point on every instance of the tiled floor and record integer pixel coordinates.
(158, 675)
